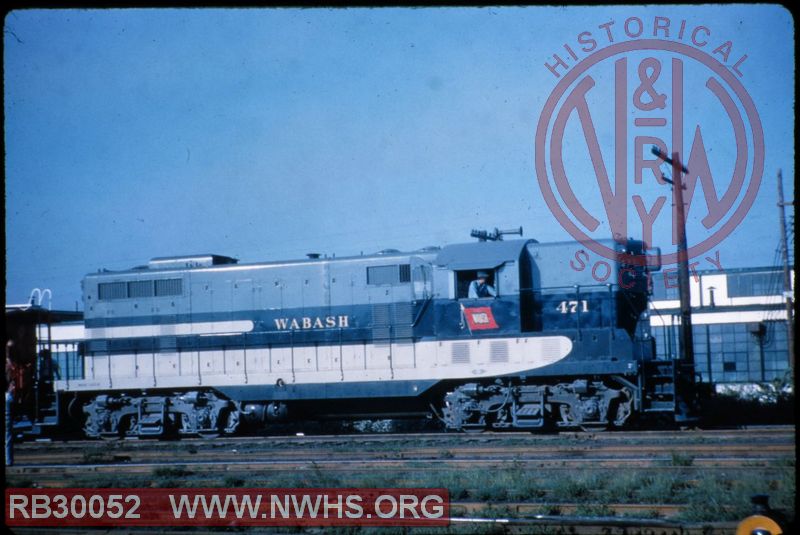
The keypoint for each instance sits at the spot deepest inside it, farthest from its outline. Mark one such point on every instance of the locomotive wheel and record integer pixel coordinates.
(474, 429)
(227, 420)
(117, 435)
(620, 410)
(566, 415)
(595, 428)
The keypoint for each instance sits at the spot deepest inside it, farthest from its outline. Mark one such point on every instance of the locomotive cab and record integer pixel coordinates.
(457, 266)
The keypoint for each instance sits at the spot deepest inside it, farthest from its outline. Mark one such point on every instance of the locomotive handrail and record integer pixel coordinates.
(572, 286)
(244, 355)
(422, 310)
(66, 373)
(611, 332)
(577, 288)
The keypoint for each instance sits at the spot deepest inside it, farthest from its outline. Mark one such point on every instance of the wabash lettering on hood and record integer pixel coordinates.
(312, 322)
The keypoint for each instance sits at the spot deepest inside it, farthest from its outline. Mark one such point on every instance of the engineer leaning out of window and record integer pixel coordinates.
(480, 288)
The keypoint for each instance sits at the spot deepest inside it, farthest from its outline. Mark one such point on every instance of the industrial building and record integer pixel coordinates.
(738, 318)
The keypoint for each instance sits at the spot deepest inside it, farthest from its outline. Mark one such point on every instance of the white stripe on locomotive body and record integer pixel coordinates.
(171, 329)
(761, 300)
(349, 363)
(714, 318)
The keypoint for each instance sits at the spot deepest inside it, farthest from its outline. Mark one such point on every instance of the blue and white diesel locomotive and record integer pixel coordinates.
(202, 344)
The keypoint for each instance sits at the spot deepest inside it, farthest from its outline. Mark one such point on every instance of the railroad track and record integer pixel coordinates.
(750, 433)
(717, 448)
(56, 464)
(489, 437)
(610, 455)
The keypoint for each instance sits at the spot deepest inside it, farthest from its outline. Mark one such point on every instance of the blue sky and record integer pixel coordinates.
(268, 134)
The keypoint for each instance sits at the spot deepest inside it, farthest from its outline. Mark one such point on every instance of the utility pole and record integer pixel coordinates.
(787, 277)
(685, 379)
(686, 339)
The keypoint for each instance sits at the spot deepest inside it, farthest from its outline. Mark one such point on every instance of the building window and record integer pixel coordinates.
(664, 290)
(753, 284)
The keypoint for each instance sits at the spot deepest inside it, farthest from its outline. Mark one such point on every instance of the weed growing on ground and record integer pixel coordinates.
(593, 510)
(624, 487)
(171, 471)
(681, 459)
(660, 488)
(231, 482)
(577, 489)
(23, 483)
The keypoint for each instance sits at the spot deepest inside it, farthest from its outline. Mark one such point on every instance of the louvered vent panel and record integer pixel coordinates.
(551, 347)
(460, 353)
(403, 317)
(140, 289)
(169, 287)
(112, 290)
(380, 322)
(498, 352)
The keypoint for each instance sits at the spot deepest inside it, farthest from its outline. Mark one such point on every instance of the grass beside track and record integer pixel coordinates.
(696, 494)
(678, 486)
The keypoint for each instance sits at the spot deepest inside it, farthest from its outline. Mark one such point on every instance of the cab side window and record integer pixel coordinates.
(473, 277)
